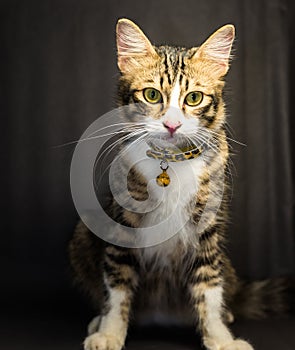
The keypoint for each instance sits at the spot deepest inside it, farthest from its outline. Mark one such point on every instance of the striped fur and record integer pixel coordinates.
(188, 276)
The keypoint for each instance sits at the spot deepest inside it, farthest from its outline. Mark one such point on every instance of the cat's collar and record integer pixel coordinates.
(172, 155)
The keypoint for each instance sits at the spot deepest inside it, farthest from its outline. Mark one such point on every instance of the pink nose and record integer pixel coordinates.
(172, 126)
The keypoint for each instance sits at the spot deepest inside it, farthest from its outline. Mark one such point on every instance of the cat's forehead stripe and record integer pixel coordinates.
(186, 84)
(180, 78)
(182, 62)
(172, 62)
(167, 68)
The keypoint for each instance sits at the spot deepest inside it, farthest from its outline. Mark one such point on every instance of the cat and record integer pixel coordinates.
(180, 93)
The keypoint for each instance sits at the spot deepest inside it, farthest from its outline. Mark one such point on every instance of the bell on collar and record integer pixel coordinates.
(163, 179)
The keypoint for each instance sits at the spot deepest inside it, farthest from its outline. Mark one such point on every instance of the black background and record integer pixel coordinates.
(58, 74)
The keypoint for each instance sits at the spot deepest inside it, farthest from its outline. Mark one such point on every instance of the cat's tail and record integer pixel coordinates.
(261, 299)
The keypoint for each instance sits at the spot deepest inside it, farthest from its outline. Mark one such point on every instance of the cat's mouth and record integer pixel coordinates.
(175, 144)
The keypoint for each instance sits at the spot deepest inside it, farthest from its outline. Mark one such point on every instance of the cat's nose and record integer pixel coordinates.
(172, 126)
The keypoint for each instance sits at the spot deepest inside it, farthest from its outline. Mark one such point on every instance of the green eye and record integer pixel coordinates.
(193, 98)
(152, 95)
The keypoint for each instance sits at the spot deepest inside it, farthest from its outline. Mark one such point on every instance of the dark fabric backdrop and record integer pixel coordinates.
(58, 74)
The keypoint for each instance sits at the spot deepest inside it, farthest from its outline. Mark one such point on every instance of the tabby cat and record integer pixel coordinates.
(180, 91)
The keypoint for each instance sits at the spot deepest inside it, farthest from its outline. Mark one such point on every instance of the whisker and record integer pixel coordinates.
(117, 124)
(111, 147)
(121, 140)
(229, 138)
(129, 125)
(206, 141)
(139, 139)
(209, 138)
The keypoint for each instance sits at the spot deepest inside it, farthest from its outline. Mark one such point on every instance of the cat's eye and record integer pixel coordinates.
(152, 95)
(193, 98)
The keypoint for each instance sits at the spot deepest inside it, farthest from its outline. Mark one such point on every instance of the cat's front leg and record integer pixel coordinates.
(215, 334)
(110, 328)
(208, 302)
(206, 290)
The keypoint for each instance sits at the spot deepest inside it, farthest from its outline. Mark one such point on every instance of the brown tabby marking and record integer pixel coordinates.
(189, 275)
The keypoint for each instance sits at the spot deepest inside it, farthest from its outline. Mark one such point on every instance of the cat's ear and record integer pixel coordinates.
(131, 45)
(217, 48)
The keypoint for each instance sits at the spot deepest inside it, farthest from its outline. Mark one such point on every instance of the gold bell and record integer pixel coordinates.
(163, 179)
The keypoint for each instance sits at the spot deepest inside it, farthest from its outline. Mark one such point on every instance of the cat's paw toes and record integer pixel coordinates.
(237, 344)
(93, 325)
(98, 341)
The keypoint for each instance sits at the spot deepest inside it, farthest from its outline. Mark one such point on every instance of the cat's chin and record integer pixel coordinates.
(165, 140)
(175, 140)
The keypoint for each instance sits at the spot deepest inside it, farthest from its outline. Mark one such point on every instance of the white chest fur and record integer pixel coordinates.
(171, 211)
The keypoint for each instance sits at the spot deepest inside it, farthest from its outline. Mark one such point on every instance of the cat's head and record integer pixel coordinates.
(179, 90)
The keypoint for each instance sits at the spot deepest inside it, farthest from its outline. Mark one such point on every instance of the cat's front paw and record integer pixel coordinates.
(100, 341)
(237, 344)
